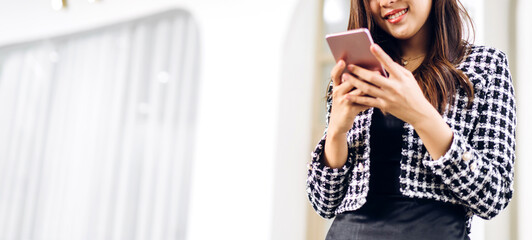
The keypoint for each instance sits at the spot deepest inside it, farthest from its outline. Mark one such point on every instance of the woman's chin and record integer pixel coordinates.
(401, 34)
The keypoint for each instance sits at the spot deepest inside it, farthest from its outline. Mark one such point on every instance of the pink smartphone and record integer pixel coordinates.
(353, 47)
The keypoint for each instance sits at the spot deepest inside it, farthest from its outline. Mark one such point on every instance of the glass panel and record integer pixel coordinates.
(335, 18)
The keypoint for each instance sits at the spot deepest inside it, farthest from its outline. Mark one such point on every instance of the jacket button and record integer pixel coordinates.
(467, 156)
(473, 166)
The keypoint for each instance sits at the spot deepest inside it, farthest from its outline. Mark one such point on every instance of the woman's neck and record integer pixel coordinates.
(417, 44)
(414, 49)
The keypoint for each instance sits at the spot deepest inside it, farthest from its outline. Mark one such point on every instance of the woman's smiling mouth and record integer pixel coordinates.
(395, 16)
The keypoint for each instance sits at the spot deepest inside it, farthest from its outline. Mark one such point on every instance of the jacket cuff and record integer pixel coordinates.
(317, 164)
(460, 164)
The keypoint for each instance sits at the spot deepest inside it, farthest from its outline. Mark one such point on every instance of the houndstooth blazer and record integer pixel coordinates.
(476, 172)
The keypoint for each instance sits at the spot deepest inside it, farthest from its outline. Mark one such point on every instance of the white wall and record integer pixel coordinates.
(238, 116)
(245, 54)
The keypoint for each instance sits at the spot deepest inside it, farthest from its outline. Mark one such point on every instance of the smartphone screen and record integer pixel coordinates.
(353, 47)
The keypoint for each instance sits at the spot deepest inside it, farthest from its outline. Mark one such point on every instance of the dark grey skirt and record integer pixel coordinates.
(401, 218)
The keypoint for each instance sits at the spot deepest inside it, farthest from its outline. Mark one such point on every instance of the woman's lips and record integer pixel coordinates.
(395, 16)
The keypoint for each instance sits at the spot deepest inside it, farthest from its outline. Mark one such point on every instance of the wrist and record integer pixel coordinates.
(426, 116)
(335, 134)
(335, 152)
(434, 132)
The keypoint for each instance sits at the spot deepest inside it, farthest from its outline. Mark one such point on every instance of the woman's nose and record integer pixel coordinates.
(386, 3)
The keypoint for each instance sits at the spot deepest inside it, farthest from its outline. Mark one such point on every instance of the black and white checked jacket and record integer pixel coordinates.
(477, 170)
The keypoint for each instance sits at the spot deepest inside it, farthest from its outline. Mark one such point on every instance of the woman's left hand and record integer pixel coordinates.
(399, 94)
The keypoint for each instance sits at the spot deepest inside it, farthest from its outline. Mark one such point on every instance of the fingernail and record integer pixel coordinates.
(350, 67)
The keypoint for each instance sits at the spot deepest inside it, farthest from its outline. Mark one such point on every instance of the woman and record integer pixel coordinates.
(417, 154)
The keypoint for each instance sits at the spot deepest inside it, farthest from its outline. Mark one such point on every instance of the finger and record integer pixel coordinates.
(356, 92)
(365, 87)
(373, 77)
(336, 72)
(344, 87)
(364, 100)
(384, 59)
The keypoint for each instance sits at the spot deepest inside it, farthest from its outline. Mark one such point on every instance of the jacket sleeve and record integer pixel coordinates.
(479, 170)
(326, 187)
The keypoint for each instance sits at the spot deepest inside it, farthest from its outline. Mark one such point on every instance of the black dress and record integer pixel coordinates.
(387, 214)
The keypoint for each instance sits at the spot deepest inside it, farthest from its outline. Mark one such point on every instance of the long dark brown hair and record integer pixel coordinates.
(437, 75)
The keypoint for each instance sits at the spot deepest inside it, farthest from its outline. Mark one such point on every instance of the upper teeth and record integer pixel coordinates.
(397, 14)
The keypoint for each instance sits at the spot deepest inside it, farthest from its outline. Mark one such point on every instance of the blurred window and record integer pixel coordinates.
(97, 131)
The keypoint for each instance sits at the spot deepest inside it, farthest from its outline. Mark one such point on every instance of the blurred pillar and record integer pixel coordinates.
(523, 63)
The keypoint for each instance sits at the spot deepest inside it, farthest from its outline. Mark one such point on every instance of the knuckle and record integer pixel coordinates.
(353, 99)
(384, 107)
(335, 91)
(366, 89)
(345, 75)
(394, 87)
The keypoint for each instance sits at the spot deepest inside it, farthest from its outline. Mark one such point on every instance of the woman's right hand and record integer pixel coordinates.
(343, 111)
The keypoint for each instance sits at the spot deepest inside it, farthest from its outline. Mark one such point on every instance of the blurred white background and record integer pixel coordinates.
(188, 119)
